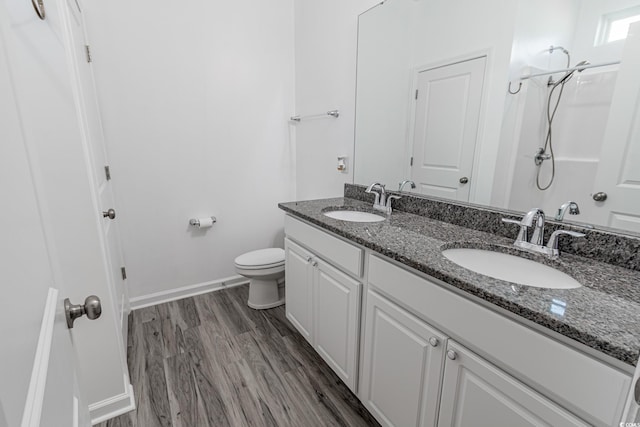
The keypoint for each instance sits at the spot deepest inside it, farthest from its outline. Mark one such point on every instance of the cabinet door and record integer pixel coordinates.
(336, 308)
(298, 288)
(402, 365)
(476, 393)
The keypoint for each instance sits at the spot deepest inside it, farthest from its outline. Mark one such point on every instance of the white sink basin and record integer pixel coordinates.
(354, 216)
(511, 268)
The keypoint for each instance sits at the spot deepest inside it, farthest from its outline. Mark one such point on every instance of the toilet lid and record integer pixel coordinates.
(261, 258)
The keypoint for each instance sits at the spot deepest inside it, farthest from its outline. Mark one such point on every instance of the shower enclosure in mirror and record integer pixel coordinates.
(511, 104)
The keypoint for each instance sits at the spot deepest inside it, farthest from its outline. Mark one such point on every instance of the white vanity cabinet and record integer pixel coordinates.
(322, 300)
(401, 365)
(431, 355)
(520, 369)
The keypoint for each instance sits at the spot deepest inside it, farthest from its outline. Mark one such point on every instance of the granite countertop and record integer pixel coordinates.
(603, 314)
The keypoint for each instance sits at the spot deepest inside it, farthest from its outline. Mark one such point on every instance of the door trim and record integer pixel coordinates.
(35, 395)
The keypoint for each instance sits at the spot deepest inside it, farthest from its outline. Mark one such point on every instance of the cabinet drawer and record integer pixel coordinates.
(583, 385)
(332, 249)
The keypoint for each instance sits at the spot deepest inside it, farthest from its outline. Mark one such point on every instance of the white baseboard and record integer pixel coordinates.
(186, 291)
(112, 407)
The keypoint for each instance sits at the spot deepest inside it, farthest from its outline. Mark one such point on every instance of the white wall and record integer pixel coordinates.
(325, 52)
(195, 97)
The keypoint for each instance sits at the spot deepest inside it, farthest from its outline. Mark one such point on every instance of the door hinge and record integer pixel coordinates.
(416, 93)
(87, 51)
(411, 162)
(107, 173)
(124, 273)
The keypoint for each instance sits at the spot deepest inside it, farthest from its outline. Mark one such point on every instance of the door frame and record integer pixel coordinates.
(470, 56)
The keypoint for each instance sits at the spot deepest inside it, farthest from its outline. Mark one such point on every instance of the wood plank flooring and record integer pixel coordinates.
(212, 361)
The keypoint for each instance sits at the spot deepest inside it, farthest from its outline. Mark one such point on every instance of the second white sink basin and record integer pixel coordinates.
(354, 216)
(511, 268)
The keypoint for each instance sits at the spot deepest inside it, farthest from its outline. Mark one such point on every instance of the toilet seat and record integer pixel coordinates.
(261, 259)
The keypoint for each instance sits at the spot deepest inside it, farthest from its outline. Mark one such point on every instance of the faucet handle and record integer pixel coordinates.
(392, 197)
(523, 234)
(512, 221)
(555, 236)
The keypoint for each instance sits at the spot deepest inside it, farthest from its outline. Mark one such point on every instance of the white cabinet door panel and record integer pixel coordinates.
(475, 393)
(298, 282)
(336, 320)
(401, 373)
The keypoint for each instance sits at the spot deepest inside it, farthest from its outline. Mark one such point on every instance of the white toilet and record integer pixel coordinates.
(265, 269)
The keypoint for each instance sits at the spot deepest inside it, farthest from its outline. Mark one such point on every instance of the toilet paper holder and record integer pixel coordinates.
(195, 222)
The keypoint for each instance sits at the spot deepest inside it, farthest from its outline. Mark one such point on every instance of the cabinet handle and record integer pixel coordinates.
(452, 355)
(315, 263)
(309, 258)
(434, 341)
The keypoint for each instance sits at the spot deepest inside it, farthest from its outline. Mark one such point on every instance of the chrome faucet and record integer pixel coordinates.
(381, 202)
(535, 219)
(573, 210)
(405, 182)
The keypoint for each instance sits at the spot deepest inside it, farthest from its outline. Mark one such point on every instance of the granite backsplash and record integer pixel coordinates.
(601, 245)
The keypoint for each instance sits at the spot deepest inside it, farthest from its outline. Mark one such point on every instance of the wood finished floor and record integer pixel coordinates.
(212, 361)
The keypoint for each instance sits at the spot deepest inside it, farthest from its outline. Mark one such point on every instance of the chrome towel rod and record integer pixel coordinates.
(566, 70)
(332, 113)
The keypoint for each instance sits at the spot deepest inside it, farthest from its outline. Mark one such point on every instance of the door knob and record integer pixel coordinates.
(111, 214)
(464, 180)
(92, 308)
(600, 197)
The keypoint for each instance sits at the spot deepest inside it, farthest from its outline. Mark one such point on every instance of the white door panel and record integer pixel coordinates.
(446, 128)
(43, 158)
(37, 360)
(618, 172)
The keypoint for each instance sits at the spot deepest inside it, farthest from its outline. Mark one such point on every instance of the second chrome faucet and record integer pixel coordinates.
(535, 219)
(382, 202)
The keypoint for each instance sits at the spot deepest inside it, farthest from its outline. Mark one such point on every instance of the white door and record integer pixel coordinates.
(618, 171)
(336, 310)
(402, 366)
(476, 393)
(89, 117)
(298, 282)
(44, 109)
(38, 383)
(446, 128)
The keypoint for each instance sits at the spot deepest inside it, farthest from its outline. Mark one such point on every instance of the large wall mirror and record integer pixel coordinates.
(511, 104)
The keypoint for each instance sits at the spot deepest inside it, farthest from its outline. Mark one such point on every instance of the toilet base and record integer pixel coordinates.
(264, 294)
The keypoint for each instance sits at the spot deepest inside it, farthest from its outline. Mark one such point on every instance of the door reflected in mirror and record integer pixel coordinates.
(509, 104)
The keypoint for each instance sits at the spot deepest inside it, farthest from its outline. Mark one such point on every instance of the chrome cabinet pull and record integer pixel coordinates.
(434, 341)
(452, 355)
(464, 180)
